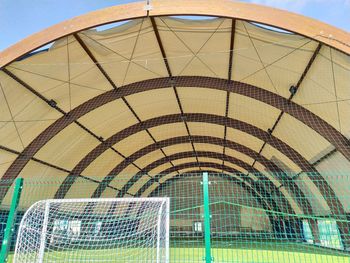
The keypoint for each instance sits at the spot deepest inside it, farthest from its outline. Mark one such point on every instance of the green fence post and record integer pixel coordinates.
(11, 219)
(207, 237)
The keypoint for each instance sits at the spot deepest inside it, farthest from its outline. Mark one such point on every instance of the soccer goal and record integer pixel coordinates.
(95, 230)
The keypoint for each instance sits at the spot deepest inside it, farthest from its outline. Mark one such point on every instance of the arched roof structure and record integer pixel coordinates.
(148, 92)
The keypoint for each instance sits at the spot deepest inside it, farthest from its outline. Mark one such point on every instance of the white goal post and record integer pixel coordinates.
(95, 230)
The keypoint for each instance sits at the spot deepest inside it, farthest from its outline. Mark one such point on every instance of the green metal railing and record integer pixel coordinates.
(207, 235)
(9, 230)
(213, 219)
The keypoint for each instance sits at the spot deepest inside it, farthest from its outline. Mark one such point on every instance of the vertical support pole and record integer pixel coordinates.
(44, 232)
(206, 200)
(11, 219)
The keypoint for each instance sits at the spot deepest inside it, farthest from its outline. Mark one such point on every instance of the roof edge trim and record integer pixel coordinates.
(305, 26)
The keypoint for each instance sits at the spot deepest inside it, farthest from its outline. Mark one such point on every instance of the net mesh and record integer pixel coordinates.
(88, 230)
(248, 224)
(244, 227)
(121, 110)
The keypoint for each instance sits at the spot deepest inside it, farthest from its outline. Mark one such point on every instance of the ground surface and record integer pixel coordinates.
(252, 252)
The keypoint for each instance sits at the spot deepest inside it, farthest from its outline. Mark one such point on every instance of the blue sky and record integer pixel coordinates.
(21, 18)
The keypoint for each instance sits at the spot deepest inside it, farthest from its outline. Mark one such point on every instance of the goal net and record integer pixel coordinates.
(95, 230)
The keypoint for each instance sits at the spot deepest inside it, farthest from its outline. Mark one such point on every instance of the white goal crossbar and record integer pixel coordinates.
(95, 230)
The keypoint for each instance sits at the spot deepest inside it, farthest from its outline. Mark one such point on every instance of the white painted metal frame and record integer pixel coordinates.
(44, 232)
(165, 205)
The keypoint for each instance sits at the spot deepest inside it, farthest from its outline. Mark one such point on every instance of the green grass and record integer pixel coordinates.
(190, 252)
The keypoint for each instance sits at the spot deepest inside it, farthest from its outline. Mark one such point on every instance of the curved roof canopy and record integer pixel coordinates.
(131, 92)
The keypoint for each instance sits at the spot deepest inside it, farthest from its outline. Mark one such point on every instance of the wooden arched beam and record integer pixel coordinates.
(190, 154)
(265, 204)
(292, 187)
(176, 118)
(268, 185)
(295, 110)
(221, 84)
(291, 22)
(214, 155)
(182, 166)
(278, 172)
(334, 203)
(308, 118)
(264, 15)
(259, 187)
(227, 169)
(268, 206)
(216, 141)
(197, 173)
(285, 20)
(319, 181)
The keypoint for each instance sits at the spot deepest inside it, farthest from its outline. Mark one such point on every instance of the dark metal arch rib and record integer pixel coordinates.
(261, 200)
(208, 154)
(214, 173)
(218, 141)
(226, 169)
(319, 181)
(313, 121)
(260, 188)
(113, 85)
(245, 127)
(300, 113)
(266, 202)
(175, 118)
(291, 187)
